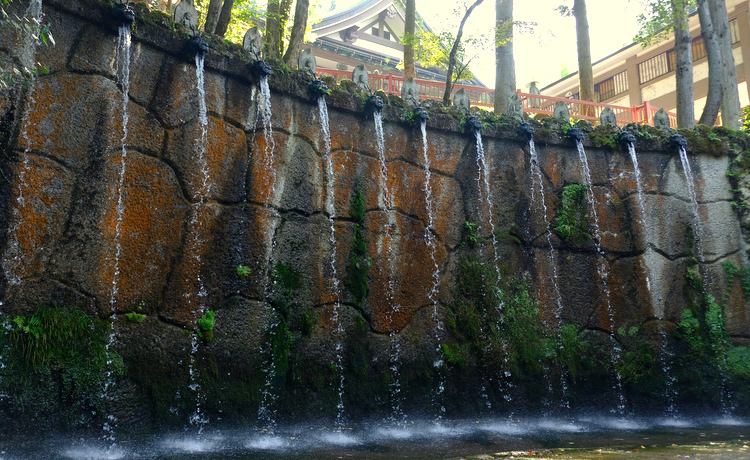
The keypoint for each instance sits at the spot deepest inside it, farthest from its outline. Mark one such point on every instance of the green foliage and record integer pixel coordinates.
(206, 325)
(746, 119)
(135, 317)
(243, 271)
(571, 219)
(359, 262)
(56, 365)
(36, 31)
(738, 362)
(470, 235)
(287, 277)
(637, 358)
(571, 350)
(659, 19)
(743, 274)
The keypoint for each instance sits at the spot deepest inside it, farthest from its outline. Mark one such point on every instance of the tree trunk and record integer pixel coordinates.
(212, 16)
(713, 54)
(297, 36)
(585, 71)
(730, 105)
(271, 45)
(505, 66)
(224, 18)
(409, 37)
(454, 50)
(684, 67)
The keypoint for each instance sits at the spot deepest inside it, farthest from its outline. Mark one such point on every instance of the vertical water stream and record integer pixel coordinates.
(429, 233)
(537, 182)
(123, 75)
(198, 418)
(603, 276)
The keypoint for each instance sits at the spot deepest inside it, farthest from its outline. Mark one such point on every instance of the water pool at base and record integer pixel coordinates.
(585, 437)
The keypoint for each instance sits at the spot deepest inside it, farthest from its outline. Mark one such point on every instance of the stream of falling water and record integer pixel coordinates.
(269, 395)
(538, 182)
(123, 75)
(198, 418)
(27, 56)
(725, 397)
(429, 233)
(603, 276)
(330, 205)
(397, 414)
(483, 185)
(666, 356)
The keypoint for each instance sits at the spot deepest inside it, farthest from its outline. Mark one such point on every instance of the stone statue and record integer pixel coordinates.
(306, 61)
(186, 14)
(562, 111)
(461, 100)
(359, 75)
(661, 120)
(515, 106)
(253, 42)
(608, 117)
(410, 92)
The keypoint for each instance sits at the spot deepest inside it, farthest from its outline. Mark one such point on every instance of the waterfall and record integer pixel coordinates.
(123, 75)
(429, 233)
(27, 57)
(199, 419)
(697, 226)
(724, 395)
(269, 395)
(483, 186)
(666, 356)
(538, 183)
(330, 206)
(603, 275)
(397, 414)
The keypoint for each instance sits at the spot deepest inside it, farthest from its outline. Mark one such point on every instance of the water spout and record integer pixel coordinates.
(374, 105)
(197, 45)
(124, 13)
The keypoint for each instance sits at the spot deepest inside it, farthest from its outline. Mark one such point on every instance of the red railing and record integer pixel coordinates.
(532, 103)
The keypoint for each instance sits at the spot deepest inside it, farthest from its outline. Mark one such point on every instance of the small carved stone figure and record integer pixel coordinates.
(515, 106)
(306, 61)
(562, 111)
(359, 75)
(410, 92)
(253, 42)
(461, 100)
(608, 117)
(186, 14)
(661, 119)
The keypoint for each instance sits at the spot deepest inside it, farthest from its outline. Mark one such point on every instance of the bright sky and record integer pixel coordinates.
(540, 55)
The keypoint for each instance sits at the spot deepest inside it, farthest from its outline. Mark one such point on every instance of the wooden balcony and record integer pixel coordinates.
(532, 103)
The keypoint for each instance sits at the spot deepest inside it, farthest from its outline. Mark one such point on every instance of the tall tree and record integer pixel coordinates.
(713, 55)
(730, 105)
(585, 70)
(661, 18)
(277, 14)
(683, 48)
(452, 57)
(410, 27)
(583, 45)
(505, 67)
(297, 36)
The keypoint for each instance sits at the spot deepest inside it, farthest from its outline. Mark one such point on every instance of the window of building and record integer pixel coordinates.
(734, 31)
(376, 31)
(699, 49)
(654, 67)
(612, 86)
(386, 35)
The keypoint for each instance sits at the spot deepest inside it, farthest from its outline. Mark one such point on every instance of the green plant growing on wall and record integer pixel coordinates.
(470, 235)
(243, 271)
(571, 222)
(359, 262)
(637, 357)
(56, 363)
(206, 325)
(287, 277)
(135, 316)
